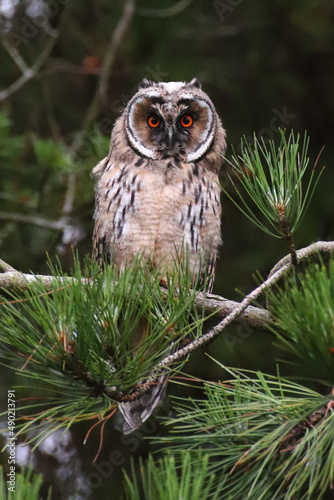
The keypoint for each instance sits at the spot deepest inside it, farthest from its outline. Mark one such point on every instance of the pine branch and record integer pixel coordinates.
(302, 254)
(94, 352)
(305, 253)
(14, 281)
(262, 434)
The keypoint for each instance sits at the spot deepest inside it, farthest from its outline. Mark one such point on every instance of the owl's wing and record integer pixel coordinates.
(117, 188)
(209, 230)
(100, 250)
(137, 411)
(210, 271)
(112, 205)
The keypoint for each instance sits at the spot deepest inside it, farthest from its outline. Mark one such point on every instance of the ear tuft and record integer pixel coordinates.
(195, 83)
(145, 83)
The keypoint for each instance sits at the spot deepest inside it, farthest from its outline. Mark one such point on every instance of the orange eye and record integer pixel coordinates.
(186, 121)
(153, 121)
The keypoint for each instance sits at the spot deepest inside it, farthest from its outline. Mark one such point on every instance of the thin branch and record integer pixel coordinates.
(285, 226)
(53, 124)
(5, 268)
(282, 268)
(221, 307)
(14, 54)
(100, 94)
(30, 73)
(107, 63)
(168, 12)
(70, 194)
(305, 253)
(232, 316)
(68, 68)
(59, 224)
(17, 282)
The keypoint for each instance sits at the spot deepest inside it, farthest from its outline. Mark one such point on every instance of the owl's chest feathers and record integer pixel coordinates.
(144, 209)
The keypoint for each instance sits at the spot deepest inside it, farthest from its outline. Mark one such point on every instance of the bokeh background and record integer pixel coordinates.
(67, 70)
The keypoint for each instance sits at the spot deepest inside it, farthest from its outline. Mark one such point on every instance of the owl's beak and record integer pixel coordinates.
(170, 143)
(171, 138)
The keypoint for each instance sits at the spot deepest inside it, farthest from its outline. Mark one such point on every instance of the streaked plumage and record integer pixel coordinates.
(157, 191)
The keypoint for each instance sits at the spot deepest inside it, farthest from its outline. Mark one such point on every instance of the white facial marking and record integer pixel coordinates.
(172, 86)
(206, 136)
(152, 93)
(186, 95)
(136, 143)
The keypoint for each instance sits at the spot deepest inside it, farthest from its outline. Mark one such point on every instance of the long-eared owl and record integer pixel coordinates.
(157, 190)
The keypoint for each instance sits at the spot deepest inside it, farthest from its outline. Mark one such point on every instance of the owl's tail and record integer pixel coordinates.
(137, 411)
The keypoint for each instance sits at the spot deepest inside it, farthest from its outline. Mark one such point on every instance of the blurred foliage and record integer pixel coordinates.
(169, 480)
(259, 436)
(86, 336)
(303, 320)
(11, 147)
(264, 64)
(27, 486)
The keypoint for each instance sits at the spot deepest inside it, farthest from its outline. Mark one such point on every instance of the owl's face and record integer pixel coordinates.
(171, 119)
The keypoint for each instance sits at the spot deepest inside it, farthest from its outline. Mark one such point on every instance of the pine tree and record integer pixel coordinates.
(251, 435)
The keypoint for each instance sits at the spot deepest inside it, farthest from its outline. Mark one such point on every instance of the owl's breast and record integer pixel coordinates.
(191, 213)
(145, 212)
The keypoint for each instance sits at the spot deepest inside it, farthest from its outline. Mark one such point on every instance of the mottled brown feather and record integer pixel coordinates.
(151, 198)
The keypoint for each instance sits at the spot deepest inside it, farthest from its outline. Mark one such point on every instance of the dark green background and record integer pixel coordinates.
(264, 64)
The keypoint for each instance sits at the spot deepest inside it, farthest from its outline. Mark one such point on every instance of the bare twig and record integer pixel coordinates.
(72, 233)
(168, 12)
(325, 247)
(59, 224)
(65, 67)
(107, 63)
(232, 316)
(54, 127)
(70, 194)
(281, 269)
(221, 307)
(14, 54)
(30, 73)
(5, 268)
(100, 94)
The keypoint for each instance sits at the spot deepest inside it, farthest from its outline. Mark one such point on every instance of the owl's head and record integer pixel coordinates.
(171, 119)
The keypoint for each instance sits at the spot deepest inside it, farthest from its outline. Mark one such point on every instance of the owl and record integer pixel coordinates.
(157, 191)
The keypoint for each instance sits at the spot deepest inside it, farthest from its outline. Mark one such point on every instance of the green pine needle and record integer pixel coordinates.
(171, 479)
(96, 336)
(273, 179)
(27, 486)
(264, 437)
(303, 313)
